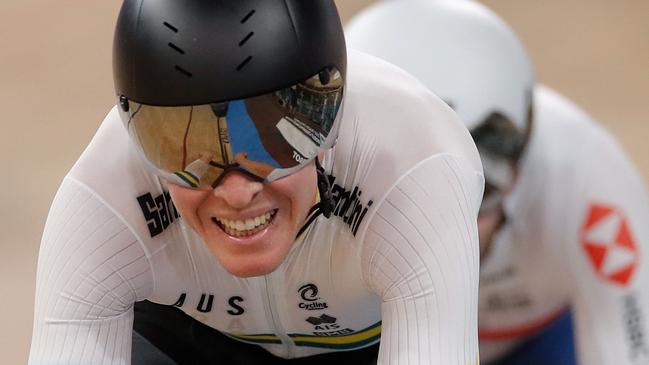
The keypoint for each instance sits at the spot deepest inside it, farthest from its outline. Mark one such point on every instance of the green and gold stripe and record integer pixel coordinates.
(261, 338)
(361, 338)
(188, 177)
(353, 340)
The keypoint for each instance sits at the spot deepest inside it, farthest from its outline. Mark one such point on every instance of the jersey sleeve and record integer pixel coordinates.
(91, 270)
(609, 257)
(421, 257)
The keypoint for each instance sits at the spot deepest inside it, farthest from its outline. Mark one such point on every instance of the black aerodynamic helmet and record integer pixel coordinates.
(170, 52)
(207, 86)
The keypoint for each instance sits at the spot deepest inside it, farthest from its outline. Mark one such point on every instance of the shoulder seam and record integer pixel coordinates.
(361, 236)
(147, 254)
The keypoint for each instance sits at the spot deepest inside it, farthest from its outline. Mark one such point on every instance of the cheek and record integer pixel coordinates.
(300, 190)
(487, 223)
(188, 202)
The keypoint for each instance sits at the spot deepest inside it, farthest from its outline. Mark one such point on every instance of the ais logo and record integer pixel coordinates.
(326, 325)
(608, 241)
(323, 319)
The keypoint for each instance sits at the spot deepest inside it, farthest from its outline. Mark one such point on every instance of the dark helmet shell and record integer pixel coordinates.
(170, 52)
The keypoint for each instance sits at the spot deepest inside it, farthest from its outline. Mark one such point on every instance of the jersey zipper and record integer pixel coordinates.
(275, 320)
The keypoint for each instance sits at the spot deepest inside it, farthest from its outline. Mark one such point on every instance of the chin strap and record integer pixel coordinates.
(327, 203)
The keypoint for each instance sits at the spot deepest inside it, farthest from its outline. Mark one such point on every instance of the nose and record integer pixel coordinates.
(237, 189)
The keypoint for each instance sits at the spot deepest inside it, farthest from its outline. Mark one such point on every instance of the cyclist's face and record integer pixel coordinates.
(248, 226)
(492, 216)
(488, 224)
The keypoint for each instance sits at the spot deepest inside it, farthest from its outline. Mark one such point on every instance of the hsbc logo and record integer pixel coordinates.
(609, 244)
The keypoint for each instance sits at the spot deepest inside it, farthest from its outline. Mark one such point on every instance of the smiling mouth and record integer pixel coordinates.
(244, 228)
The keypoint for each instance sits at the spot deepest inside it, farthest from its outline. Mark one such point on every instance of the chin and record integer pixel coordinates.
(248, 263)
(249, 269)
(251, 272)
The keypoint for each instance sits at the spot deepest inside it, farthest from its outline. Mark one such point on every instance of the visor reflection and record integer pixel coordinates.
(267, 136)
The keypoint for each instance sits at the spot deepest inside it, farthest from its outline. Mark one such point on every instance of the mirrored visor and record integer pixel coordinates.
(499, 135)
(266, 137)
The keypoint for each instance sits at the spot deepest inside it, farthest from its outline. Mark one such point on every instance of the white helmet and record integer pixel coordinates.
(460, 50)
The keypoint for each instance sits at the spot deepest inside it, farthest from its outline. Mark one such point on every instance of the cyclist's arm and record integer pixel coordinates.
(609, 258)
(421, 257)
(91, 269)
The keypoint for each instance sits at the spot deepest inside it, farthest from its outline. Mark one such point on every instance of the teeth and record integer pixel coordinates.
(239, 228)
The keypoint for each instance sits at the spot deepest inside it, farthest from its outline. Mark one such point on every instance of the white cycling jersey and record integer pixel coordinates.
(397, 261)
(577, 238)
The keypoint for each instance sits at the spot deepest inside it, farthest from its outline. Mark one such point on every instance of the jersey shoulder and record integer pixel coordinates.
(559, 130)
(556, 115)
(111, 170)
(392, 120)
(564, 136)
(571, 161)
(391, 124)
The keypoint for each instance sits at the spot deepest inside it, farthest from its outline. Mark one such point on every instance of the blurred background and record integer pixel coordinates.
(56, 87)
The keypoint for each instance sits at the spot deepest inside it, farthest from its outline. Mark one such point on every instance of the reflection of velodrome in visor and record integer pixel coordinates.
(317, 102)
(267, 136)
(295, 119)
(300, 136)
(190, 133)
(265, 112)
(246, 136)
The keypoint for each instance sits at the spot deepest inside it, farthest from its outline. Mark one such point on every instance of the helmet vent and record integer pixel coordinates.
(244, 40)
(183, 71)
(176, 48)
(244, 63)
(248, 16)
(174, 29)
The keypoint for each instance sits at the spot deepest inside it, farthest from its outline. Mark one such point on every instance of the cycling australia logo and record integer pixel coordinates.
(310, 300)
(608, 241)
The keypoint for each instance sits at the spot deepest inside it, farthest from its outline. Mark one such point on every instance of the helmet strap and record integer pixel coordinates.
(327, 203)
